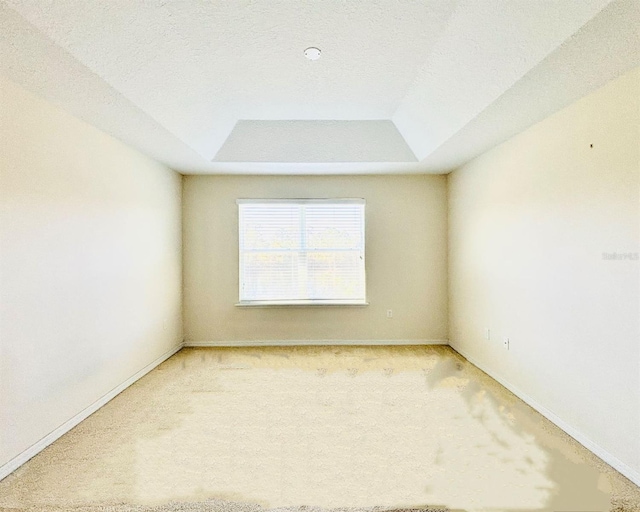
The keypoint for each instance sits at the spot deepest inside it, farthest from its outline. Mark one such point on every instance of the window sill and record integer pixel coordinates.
(300, 303)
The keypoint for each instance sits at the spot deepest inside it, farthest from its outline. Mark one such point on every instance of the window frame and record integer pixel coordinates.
(302, 302)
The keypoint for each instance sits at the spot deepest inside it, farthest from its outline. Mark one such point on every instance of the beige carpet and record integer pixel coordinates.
(255, 429)
(213, 506)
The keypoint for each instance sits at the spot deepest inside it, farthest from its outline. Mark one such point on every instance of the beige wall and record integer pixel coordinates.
(405, 261)
(90, 266)
(529, 222)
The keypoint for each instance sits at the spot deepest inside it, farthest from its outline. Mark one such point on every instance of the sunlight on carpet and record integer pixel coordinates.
(328, 427)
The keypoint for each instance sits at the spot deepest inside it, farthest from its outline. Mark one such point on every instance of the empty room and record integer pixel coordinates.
(320, 256)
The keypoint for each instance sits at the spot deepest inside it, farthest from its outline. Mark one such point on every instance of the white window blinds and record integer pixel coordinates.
(305, 251)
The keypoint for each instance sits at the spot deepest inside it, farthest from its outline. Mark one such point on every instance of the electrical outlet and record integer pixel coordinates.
(389, 313)
(505, 343)
(487, 334)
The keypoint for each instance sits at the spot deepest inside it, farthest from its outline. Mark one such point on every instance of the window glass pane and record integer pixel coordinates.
(336, 228)
(271, 276)
(271, 227)
(335, 275)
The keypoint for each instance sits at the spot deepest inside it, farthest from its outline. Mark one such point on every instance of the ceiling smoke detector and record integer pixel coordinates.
(312, 53)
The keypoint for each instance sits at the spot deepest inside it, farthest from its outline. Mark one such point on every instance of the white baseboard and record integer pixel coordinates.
(19, 460)
(607, 457)
(293, 343)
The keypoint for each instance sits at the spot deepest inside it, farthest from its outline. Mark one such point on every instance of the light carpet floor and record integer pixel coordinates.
(281, 428)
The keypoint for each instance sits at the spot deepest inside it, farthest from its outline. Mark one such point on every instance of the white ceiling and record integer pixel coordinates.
(452, 78)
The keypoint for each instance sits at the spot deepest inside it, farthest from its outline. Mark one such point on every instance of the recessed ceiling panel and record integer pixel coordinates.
(315, 142)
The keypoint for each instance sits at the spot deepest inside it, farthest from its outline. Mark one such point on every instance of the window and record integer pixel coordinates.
(301, 251)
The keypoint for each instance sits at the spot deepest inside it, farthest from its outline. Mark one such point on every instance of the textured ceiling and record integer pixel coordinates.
(173, 77)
